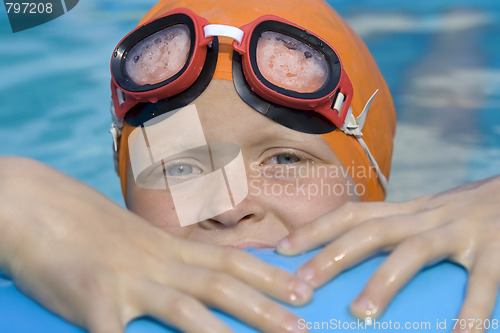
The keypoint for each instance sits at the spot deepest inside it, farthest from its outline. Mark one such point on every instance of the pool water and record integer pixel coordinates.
(440, 59)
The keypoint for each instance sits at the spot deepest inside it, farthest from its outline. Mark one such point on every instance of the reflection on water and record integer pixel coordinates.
(447, 87)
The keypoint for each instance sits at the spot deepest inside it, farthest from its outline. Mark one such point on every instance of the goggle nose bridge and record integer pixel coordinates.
(212, 30)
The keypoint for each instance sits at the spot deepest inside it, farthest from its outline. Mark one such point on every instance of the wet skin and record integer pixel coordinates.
(282, 172)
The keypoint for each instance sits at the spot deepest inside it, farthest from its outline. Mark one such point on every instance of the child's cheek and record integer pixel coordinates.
(157, 207)
(301, 200)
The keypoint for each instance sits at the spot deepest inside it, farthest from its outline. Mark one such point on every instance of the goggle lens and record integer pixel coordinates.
(160, 56)
(290, 64)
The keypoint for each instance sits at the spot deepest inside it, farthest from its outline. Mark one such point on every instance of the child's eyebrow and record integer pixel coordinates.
(312, 144)
(285, 136)
(176, 145)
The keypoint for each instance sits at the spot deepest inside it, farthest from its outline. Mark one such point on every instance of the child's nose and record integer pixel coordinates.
(250, 209)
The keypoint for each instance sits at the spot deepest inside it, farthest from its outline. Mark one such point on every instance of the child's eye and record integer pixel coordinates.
(180, 170)
(176, 171)
(283, 158)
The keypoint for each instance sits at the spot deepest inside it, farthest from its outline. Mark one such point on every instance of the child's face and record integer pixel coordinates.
(292, 177)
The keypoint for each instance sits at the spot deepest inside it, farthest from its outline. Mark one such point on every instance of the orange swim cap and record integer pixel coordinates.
(318, 17)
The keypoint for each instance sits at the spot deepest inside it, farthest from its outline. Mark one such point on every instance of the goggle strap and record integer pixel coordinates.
(213, 30)
(380, 175)
(339, 102)
(120, 95)
(353, 126)
(115, 133)
(360, 120)
(116, 127)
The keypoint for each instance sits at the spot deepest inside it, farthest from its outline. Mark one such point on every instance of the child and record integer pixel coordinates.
(113, 269)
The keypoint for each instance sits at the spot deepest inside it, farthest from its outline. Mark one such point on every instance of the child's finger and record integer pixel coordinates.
(178, 309)
(111, 325)
(232, 296)
(247, 268)
(404, 262)
(331, 225)
(484, 280)
(103, 317)
(361, 242)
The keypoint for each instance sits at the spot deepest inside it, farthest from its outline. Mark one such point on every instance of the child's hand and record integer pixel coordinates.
(462, 225)
(100, 266)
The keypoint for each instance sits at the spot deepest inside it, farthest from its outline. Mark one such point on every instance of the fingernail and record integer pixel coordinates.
(363, 307)
(306, 274)
(284, 244)
(296, 326)
(300, 291)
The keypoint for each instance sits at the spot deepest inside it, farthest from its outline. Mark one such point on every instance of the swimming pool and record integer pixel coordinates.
(441, 61)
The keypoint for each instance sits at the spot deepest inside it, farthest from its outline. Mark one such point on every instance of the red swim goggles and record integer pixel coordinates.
(279, 69)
